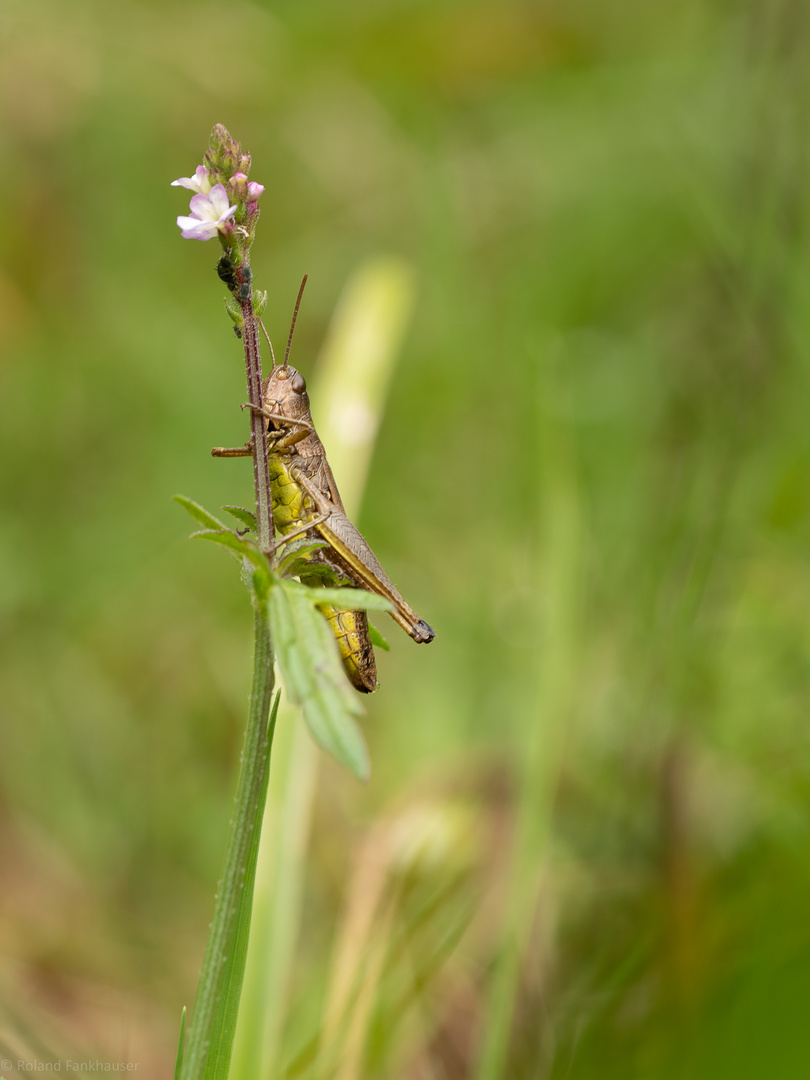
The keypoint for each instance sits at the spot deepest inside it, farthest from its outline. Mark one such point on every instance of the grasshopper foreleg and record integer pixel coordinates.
(299, 429)
(233, 451)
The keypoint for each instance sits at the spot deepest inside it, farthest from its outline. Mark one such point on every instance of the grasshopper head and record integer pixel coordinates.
(285, 392)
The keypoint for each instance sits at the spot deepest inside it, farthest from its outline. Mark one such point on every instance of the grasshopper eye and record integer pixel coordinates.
(298, 383)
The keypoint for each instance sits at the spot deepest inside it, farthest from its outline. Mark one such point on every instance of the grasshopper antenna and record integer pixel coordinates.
(295, 316)
(269, 342)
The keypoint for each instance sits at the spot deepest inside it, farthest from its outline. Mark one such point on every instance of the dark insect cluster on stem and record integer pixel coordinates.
(225, 270)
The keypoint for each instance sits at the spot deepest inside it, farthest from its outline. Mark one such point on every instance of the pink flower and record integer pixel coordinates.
(209, 215)
(254, 191)
(199, 182)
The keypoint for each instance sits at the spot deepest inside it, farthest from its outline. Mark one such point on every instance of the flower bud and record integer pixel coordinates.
(220, 137)
(224, 154)
(239, 187)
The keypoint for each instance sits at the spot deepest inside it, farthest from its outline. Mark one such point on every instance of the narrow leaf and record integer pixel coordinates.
(235, 312)
(302, 549)
(236, 543)
(377, 639)
(245, 516)
(216, 537)
(313, 674)
(199, 513)
(311, 573)
(350, 599)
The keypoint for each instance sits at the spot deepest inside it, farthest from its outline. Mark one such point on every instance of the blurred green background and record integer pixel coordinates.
(591, 479)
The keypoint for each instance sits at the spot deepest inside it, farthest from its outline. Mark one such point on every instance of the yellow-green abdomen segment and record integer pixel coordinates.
(290, 509)
(354, 644)
(293, 508)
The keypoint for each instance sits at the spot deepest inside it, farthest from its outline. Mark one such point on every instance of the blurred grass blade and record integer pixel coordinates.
(313, 675)
(179, 1060)
(277, 899)
(355, 369)
(555, 685)
(217, 1064)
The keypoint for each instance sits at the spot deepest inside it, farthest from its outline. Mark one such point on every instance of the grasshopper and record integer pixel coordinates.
(306, 498)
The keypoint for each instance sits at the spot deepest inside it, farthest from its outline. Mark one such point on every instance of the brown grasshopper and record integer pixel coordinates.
(306, 498)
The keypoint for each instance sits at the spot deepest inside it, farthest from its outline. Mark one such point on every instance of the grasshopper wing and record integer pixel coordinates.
(352, 552)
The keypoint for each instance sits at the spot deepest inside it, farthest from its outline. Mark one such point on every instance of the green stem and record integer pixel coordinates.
(254, 760)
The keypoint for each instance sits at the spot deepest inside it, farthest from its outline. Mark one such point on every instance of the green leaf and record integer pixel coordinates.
(300, 548)
(234, 312)
(352, 599)
(199, 513)
(217, 537)
(218, 1060)
(236, 543)
(313, 674)
(312, 574)
(377, 639)
(245, 516)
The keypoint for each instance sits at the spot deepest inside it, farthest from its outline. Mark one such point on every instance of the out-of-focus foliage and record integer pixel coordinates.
(592, 480)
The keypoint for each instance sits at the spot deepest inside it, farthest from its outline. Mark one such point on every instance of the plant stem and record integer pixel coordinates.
(258, 426)
(254, 759)
(255, 754)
